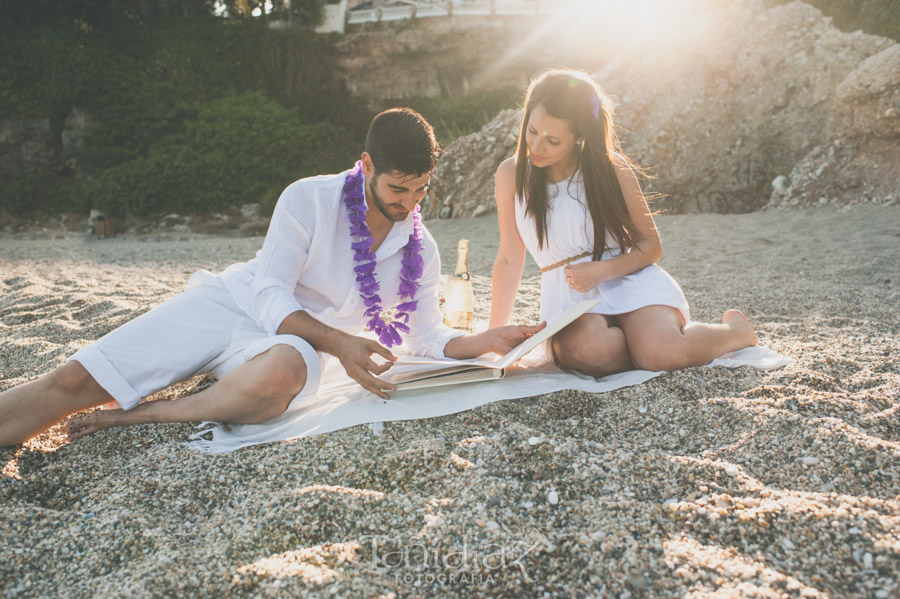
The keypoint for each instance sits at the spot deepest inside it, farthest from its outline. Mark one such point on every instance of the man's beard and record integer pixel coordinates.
(383, 206)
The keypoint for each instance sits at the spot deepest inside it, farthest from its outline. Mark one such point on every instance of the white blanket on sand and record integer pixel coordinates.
(341, 402)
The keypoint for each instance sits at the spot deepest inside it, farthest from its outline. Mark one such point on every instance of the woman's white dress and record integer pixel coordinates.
(570, 233)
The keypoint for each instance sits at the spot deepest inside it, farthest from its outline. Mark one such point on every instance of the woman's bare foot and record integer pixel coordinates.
(82, 426)
(736, 321)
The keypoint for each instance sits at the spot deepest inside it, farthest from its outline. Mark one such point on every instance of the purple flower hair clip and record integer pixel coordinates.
(596, 102)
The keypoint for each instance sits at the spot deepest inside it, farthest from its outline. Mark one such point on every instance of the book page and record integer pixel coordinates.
(551, 329)
(409, 368)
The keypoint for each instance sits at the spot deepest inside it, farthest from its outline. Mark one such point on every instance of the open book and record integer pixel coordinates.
(417, 373)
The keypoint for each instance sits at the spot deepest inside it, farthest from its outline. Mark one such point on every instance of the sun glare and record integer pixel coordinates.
(608, 27)
(645, 21)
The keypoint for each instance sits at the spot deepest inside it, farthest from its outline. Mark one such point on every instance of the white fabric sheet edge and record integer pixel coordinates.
(341, 403)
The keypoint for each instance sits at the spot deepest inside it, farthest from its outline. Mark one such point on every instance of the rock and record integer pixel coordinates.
(781, 184)
(534, 440)
(26, 146)
(859, 160)
(479, 210)
(810, 461)
(446, 212)
(466, 170)
(746, 94)
(450, 56)
(552, 498)
(367, 57)
(250, 211)
(29, 145)
(870, 90)
(637, 581)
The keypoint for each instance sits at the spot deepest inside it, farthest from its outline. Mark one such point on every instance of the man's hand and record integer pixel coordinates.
(354, 352)
(507, 337)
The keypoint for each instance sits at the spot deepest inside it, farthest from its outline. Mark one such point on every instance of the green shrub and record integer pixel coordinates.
(193, 114)
(42, 193)
(240, 149)
(52, 69)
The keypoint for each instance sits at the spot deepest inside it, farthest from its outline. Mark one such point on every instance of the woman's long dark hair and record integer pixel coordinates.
(568, 94)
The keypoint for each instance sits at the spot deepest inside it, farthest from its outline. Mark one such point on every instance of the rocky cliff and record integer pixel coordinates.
(450, 56)
(745, 97)
(430, 57)
(30, 145)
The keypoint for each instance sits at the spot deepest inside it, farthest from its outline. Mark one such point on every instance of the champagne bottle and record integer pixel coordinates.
(461, 297)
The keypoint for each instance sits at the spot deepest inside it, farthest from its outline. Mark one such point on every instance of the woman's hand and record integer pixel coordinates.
(509, 336)
(584, 276)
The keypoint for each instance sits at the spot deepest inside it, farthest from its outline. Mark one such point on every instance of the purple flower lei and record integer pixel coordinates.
(354, 198)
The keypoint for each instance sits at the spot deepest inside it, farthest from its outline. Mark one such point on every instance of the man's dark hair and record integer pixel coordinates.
(401, 140)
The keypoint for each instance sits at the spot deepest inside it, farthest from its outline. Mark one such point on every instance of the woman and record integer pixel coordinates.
(573, 200)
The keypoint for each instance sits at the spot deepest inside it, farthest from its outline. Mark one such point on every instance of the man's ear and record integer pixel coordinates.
(368, 167)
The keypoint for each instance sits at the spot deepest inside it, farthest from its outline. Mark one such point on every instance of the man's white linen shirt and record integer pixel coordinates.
(306, 263)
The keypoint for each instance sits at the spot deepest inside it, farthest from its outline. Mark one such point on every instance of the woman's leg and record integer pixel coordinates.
(254, 392)
(32, 408)
(658, 339)
(592, 345)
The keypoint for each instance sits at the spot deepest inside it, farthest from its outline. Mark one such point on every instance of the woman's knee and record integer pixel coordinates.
(657, 356)
(590, 350)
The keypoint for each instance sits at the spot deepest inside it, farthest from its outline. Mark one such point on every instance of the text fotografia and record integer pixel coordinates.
(463, 564)
(454, 578)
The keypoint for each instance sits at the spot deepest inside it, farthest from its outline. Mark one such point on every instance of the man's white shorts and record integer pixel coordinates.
(200, 331)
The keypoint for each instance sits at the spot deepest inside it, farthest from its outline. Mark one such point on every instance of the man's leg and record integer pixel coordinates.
(168, 344)
(253, 392)
(32, 408)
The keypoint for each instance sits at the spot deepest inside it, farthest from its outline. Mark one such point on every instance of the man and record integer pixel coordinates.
(260, 327)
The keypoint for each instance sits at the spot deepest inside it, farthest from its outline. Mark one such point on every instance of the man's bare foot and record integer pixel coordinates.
(736, 320)
(82, 426)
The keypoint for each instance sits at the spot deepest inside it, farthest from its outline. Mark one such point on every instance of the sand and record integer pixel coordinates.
(699, 483)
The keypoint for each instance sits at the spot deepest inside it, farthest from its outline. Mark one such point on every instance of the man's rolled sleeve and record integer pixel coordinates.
(272, 305)
(281, 261)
